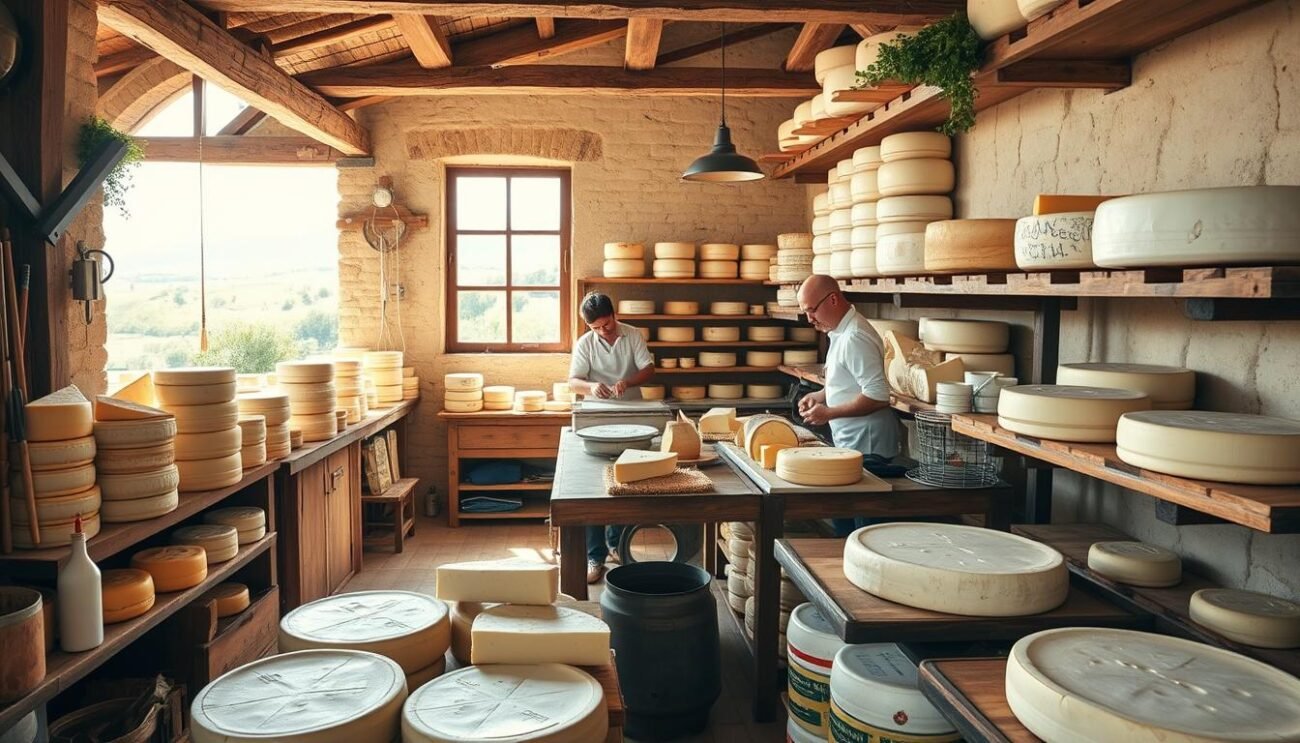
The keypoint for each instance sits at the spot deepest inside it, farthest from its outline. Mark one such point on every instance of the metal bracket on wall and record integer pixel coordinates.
(50, 222)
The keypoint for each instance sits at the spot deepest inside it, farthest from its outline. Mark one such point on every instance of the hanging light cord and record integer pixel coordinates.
(203, 263)
(724, 73)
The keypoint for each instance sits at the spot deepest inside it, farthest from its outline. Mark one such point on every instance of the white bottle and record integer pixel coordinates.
(81, 599)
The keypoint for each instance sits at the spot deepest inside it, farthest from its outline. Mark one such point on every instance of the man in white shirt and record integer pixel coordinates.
(610, 362)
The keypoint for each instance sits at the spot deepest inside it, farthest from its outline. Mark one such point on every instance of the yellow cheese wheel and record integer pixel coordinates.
(765, 333)
(636, 307)
(126, 594)
(728, 308)
(624, 269)
(138, 509)
(717, 359)
(125, 461)
(349, 368)
(795, 356)
(205, 418)
(304, 372)
(803, 335)
(1169, 387)
(913, 145)
(719, 269)
(652, 392)
(766, 429)
(970, 245)
(965, 336)
(210, 474)
(674, 268)
(675, 334)
(231, 598)
(765, 359)
(135, 485)
(499, 394)
(719, 252)
(466, 406)
(679, 251)
(255, 454)
(757, 252)
(55, 508)
(726, 391)
(756, 269)
(724, 334)
(820, 465)
(1066, 413)
(624, 252)
(764, 391)
(173, 568)
(252, 429)
(194, 394)
(681, 308)
(59, 416)
(689, 392)
(197, 375)
(913, 177)
(210, 445)
(53, 455)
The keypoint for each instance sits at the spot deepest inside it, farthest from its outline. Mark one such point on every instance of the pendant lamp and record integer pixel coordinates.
(723, 164)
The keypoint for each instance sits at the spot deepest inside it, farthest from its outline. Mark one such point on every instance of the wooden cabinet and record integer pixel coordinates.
(323, 548)
(342, 515)
(500, 435)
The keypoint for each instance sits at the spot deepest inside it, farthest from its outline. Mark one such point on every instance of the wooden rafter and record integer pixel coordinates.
(181, 33)
(813, 38)
(643, 35)
(233, 149)
(425, 36)
(866, 30)
(519, 45)
(545, 27)
(334, 35)
(112, 64)
(243, 121)
(750, 33)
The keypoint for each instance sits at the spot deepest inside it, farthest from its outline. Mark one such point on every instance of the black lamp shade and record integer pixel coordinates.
(723, 164)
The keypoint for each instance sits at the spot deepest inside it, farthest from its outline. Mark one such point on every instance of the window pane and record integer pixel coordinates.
(536, 317)
(219, 107)
(480, 203)
(174, 119)
(481, 260)
(535, 260)
(535, 203)
(481, 317)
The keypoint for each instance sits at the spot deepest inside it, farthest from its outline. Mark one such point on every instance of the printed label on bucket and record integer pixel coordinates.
(809, 717)
(846, 729)
(809, 684)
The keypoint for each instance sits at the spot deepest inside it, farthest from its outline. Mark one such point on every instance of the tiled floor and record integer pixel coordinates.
(434, 544)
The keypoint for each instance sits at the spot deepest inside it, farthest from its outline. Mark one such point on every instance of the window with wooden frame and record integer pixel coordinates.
(508, 235)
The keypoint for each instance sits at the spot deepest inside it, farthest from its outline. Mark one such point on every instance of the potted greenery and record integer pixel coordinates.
(94, 132)
(945, 55)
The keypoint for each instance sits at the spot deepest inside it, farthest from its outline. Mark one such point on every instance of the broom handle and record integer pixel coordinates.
(16, 343)
(24, 290)
(6, 516)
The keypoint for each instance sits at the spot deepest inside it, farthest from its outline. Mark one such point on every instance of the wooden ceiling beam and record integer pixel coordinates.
(712, 45)
(333, 35)
(179, 32)
(643, 35)
(521, 46)
(545, 27)
(424, 34)
(240, 150)
(877, 12)
(128, 59)
(866, 30)
(406, 79)
(243, 121)
(813, 39)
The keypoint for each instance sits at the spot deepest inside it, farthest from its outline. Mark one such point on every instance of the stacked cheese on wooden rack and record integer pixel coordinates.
(350, 389)
(384, 369)
(674, 261)
(252, 436)
(994, 18)
(1058, 235)
(208, 438)
(312, 397)
(220, 542)
(562, 398)
(839, 243)
(530, 401)
(135, 457)
(410, 384)
(62, 451)
(498, 397)
(739, 545)
(249, 522)
(864, 194)
(913, 181)
(624, 261)
(464, 392)
(756, 261)
(274, 408)
(794, 257)
(1067, 413)
(821, 232)
(719, 261)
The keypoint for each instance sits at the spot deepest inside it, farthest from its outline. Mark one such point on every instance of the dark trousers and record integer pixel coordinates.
(599, 539)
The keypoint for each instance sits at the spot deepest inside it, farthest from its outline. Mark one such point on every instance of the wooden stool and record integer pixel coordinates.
(393, 509)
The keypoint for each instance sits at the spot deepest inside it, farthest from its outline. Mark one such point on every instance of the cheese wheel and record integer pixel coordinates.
(127, 593)
(863, 214)
(1248, 617)
(652, 392)
(1136, 563)
(210, 474)
(689, 392)
(842, 264)
(230, 598)
(821, 465)
(821, 204)
(676, 334)
(125, 461)
(863, 237)
(1032, 9)
(312, 695)
(139, 509)
(198, 375)
(866, 158)
(59, 416)
(994, 18)
(271, 404)
(862, 262)
(636, 307)
(721, 334)
(352, 368)
(794, 259)
(913, 209)
(796, 356)
(728, 308)
(803, 335)
(671, 268)
(1002, 363)
(719, 269)
(1225, 447)
(829, 59)
(681, 308)
(252, 429)
(211, 445)
(321, 427)
(756, 269)
(499, 393)
(462, 406)
(624, 251)
(194, 394)
(843, 168)
(915, 177)
(1067, 413)
(1054, 241)
(717, 359)
(304, 372)
(678, 251)
(757, 252)
(66, 481)
(763, 430)
(900, 254)
(1248, 225)
(255, 455)
(965, 336)
(863, 188)
(841, 239)
(463, 381)
(382, 360)
(1153, 688)
(726, 391)
(970, 245)
(719, 252)
(786, 139)
(54, 455)
(205, 418)
(956, 569)
(624, 269)
(907, 328)
(822, 264)
(173, 568)
(139, 484)
(219, 542)
(55, 508)
(914, 145)
(413, 629)
(1169, 387)
(458, 396)
(765, 333)
(55, 533)
(764, 391)
(794, 241)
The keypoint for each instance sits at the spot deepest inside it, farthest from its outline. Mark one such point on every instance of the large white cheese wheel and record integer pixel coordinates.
(994, 18)
(1226, 447)
(624, 269)
(766, 333)
(863, 215)
(1054, 241)
(863, 187)
(842, 264)
(841, 195)
(862, 263)
(900, 254)
(1211, 226)
(682, 251)
(822, 247)
(1169, 387)
(624, 251)
(819, 465)
(822, 263)
(916, 177)
(842, 239)
(844, 169)
(915, 145)
(1248, 617)
(1093, 684)
(674, 268)
(965, 336)
(956, 569)
(411, 628)
(719, 252)
(1067, 413)
(803, 113)
(1136, 563)
(676, 334)
(829, 59)
(862, 237)
(821, 226)
(786, 139)
(726, 391)
(822, 204)
(970, 245)
(719, 269)
(913, 209)
(1002, 363)
(717, 358)
(544, 703)
(312, 696)
(723, 334)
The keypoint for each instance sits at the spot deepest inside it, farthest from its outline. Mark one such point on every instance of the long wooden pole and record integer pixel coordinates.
(20, 368)
(6, 517)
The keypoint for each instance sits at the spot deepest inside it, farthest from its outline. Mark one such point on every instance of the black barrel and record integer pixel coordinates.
(663, 625)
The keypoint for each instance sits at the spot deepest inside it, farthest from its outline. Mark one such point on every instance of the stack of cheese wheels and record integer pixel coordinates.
(956, 569)
(719, 261)
(826, 466)
(134, 460)
(674, 261)
(273, 406)
(310, 387)
(410, 384)
(1249, 617)
(341, 388)
(821, 232)
(249, 522)
(636, 307)
(994, 18)
(862, 216)
(793, 257)
(127, 594)
(173, 568)
(1050, 242)
(1154, 688)
(464, 392)
(812, 649)
(624, 260)
(756, 260)
(231, 598)
(338, 695)
(914, 180)
(970, 245)
(1169, 387)
(1226, 447)
(59, 428)
(1136, 564)
(1067, 413)
(252, 440)
(739, 540)
(835, 71)
(840, 243)
(964, 336)
(787, 296)
(384, 368)
(413, 629)
(498, 397)
(349, 389)
(208, 439)
(530, 401)
(874, 696)
(1248, 225)
(220, 542)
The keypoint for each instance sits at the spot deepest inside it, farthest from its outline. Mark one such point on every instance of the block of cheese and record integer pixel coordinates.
(767, 429)
(209, 445)
(1169, 387)
(719, 252)
(1002, 363)
(717, 359)
(1136, 564)
(55, 508)
(916, 177)
(413, 629)
(504, 581)
(54, 455)
(721, 334)
(219, 541)
(138, 390)
(1225, 447)
(463, 381)
(1054, 241)
(913, 145)
(636, 307)
(689, 391)
(819, 465)
(624, 251)
(174, 568)
(829, 59)
(59, 416)
(673, 307)
(624, 269)
(230, 598)
(727, 391)
(965, 336)
(679, 251)
(1248, 617)
(676, 334)
(681, 437)
(1095, 684)
(539, 634)
(764, 391)
(634, 465)
(1248, 225)
(900, 254)
(767, 455)
(138, 509)
(970, 245)
(127, 594)
(718, 421)
(994, 18)
(757, 252)
(311, 695)
(130, 486)
(955, 569)
(913, 209)
(1061, 203)
(205, 418)
(1067, 413)
(546, 702)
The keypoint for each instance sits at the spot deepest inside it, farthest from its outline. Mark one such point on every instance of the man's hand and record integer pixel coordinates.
(807, 402)
(619, 388)
(816, 414)
(603, 392)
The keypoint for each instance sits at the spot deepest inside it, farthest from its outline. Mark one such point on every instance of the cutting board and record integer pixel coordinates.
(768, 482)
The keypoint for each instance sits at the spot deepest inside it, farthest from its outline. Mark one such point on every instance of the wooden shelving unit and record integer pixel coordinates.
(675, 282)
(971, 693)
(728, 344)
(633, 319)
(505, 435)
(530, 510)
(719, 370)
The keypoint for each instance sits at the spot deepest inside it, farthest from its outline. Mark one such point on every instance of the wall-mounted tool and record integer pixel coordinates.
(88, 278)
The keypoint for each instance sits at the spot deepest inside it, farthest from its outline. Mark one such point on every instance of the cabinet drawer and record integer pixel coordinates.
(508, 437)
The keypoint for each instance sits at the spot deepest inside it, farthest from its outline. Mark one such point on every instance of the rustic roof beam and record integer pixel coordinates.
(545, 27)
(245, 120)
(128, 59)
(813, 38)
(643, 35)
(334, 35)
(425, 37)
(712, 45)
(240, 150)
(520, 46)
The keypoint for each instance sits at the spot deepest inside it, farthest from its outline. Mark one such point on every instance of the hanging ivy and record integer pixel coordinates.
(945, 55)
(94, 132)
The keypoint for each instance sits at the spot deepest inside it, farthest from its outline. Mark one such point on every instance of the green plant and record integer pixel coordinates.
(93, 134)
(943, 54)
(252, 348)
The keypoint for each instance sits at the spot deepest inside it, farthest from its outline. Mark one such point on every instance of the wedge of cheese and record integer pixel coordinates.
(138, 390)
(718, 420)
(634, 465)
(59, 416)
(763, 430)
(116, 409)
(767, 455)
(681, 438)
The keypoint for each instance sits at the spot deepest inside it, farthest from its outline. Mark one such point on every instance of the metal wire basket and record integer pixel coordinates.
(949, 459)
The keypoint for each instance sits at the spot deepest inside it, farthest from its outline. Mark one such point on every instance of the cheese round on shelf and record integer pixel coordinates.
(819, 465)
(841, 219)
(198, 375)
(728, 308)
(822, 264)
(50, 483)
(304, 372)
(624, 251)
(127, 594)
(821, 246)
(689, 392)
(726, 391)
(1204, 445)
(843, 168)
(318, 427)
(636, 307)
(842, 264)
(127, 461)
(230, 598)
(680, 251)
(755, 270)
(760, 430)
(827, 60)
(676, 334)
(994, 18)
(1247, 225)
(802, 334)
(907, 328)
(793, 241)
(1248, 617)
(1032, 9)
(765, 333)
(822, 204)
(138, 509)
(1136, 564)
(135, 485)
(194, 394)
(719, 269)
(52, 533)
(249, 521)
(458, 396)
(874, 695)
(1002, 363)
(210, 445)
(862, 237)
(1067, 413)
(719, 252)
(864, 214)
(915, 145)
(1054, 241)
(311, 695)
(1095, 684)
(913, 209)
(764, 359)
(796, 356)
(499, 393)
(757, 251)
(721, 334)
(272, 404)
(900, 254)
(916, 177)
(956, 569)
(652, 392)
(866, 158)
(219, 541)
(55, 455)
(463, 381)
(863, 188)
(970, 245)
(55, 508)
(1169, 387)
(413, 629)
(623, 269)
(174, 568)
(59, 416)
(717, 359)
(674, 268)
(681, 308)
(210, 474)
(205, 418)
(252, 429)
(965, 336)
(862, 263)
(465, 406)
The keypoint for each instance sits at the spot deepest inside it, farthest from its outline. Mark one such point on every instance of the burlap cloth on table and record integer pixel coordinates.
(680, 482)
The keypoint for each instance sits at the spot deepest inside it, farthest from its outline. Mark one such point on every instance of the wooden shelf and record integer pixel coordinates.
(676, 282)
(719, 318)
(311, 453)
(789, 315)
(62, 670)
(721, 370)
(530, 510)
(971, 693)
(1268, 509)
(909, 405)
(815, 373)
(729, 344)
(1080, 44)
(466, 487)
